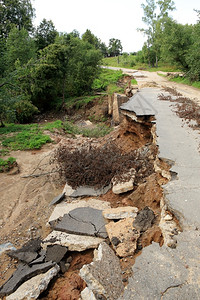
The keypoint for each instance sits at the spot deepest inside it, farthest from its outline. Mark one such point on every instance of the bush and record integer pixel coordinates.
(25, 111)
(7, 164)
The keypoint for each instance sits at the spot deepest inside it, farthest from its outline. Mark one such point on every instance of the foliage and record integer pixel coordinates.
(6, 164)
(115, 47)
(19, 46)
(25, 111)
(45, 34)
(15, 12)
(187, 81)
(105, 78)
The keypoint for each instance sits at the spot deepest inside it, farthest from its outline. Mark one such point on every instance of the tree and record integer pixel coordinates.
(45, 34)
(115, 47)
(15, 12)
(89, 37)
(176, 43)
(155, 25)
(64, 69)
(19, 46)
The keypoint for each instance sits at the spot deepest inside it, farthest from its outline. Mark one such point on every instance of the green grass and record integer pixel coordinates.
(26, 140)
(53, 125)
(6, 164)
(78, 102)
(99, 131)
(133, 81)
(130, 63)
(106, 77)
(186, 81)
(113, 88)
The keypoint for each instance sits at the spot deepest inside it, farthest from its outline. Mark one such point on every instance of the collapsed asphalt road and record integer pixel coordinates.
(175, 262)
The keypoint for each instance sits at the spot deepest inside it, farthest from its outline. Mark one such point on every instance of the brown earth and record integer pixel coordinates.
(25, 200)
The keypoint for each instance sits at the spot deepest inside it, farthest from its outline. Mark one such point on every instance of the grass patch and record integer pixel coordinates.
(99, 131)
(185, 80)
(133, 81)
(130, 62)
(6, 164)
(26, 140)
(106, 77)
(53, 125)
(78, 102)
(113, 88)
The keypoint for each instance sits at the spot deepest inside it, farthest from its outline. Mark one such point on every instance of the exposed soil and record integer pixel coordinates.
(25, 200)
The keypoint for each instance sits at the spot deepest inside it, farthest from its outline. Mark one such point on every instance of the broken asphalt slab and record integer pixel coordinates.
(165, 273)
(83, 221)
(23, 273)
(28, 252)
(32, 288)
(103, 276)
(66, 207)
(71, 241)
(57, 199)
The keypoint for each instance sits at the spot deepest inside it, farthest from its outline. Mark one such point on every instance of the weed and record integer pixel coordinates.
(51, 126)
(7, 164)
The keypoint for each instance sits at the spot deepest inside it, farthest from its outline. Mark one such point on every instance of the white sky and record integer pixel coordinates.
(107, 19)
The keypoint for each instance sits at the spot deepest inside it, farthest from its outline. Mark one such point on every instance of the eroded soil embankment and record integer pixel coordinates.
(28, 208)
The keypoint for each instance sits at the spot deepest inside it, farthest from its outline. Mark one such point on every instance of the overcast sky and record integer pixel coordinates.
(107, 19)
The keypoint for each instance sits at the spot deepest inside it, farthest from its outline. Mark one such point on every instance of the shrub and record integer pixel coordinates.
(25, 111)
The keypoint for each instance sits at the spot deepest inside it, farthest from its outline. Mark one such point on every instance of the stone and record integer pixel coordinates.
(123, 236)
(120, 213)
(6, 247)
(57, 199)
(33, 287)
(22, 274)
(83, 221)
(65, 208)
(28, 252)
(89, 191)
(71, 241)
(40, 259)
(55, 253)
(125, 184)
(103, 276)
(144, 219)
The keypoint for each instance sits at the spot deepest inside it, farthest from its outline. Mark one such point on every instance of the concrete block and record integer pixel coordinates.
(71, 241)
(123, 236)
(33, 287)
(103, 275)
(120, 213)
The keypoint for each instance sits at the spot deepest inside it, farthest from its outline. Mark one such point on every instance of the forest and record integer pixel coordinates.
(41, 68)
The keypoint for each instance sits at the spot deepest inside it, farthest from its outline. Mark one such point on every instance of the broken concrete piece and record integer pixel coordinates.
(120, 213)
(57, 199)
(87, 294)
(28, 252)
(55, 253)
(103, 275)
(71, 241)
(83, 221)
(144, 219)
(33, 287)
(65, 208)
(68, 190)
(125, 184)
(23, 273)
(89, 191)
(123, 236)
